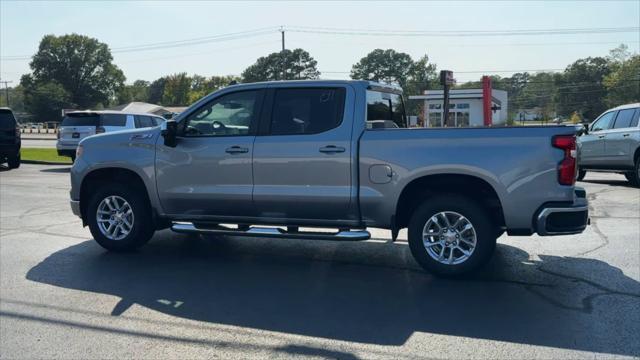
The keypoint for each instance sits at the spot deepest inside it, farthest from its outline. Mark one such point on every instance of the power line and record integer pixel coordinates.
(460, 33)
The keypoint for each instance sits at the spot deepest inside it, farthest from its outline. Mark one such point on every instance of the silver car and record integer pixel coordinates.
(78, 125)
(612, 143)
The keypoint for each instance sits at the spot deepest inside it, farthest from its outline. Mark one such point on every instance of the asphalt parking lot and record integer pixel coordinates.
(62, 296)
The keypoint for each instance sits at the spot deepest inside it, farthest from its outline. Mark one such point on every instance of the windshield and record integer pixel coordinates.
(7, 121)
(80, 120)
(385, 110)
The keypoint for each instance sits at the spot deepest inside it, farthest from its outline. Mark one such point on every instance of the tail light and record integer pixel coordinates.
(568, 167)
(99, 130)
(58, 134)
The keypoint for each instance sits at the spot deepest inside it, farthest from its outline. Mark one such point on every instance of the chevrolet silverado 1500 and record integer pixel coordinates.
(273, 159)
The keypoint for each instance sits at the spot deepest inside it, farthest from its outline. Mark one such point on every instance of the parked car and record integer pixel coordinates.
(296, 154)
(612, 144)
(78, 125)
(10, 139)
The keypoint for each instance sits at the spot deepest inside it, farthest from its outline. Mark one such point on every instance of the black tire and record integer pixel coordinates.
(634, 176)
(581, 174)
(485, 234)
(142, 229)
(14, 161)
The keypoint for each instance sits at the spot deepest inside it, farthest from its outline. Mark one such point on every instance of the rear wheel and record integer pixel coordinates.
(634, 176)
(119, 217)
(451, 235)
(581, 174)
(14, 161)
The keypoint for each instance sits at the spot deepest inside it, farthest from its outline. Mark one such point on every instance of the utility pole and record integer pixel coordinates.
(446, 80)
(284, 66)
(6, 90)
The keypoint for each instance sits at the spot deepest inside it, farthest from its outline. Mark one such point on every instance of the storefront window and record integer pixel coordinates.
(435, 119)
(451, 121)
(462, 119)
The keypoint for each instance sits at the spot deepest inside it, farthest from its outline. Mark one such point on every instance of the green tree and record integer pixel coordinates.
(45, 100)
(201, 86)
(156, 90)
(16, 98)
(385, 66)
(623, 84)
(288, 65)
(138, 91)
(176, 90)
(81, 65)
(581, 87)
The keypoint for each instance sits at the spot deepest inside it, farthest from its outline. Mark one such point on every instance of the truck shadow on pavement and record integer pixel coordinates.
(362, 292)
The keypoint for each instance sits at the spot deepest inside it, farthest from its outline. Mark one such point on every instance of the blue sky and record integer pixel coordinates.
(121, 24)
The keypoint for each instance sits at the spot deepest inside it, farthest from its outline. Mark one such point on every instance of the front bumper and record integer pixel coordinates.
(564, 219)
(75, 207)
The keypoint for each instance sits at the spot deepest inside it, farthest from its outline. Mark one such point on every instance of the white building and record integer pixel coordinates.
(465, 107)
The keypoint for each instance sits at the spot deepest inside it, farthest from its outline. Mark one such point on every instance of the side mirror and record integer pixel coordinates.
(170, 133)
(581, 129)
(168, 116)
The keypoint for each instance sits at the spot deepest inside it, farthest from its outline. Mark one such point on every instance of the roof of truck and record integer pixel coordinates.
(365, 83)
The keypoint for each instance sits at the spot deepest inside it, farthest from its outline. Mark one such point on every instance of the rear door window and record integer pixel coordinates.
(113, 120)
(385, 110)
(624, 118)
(144, 121)
(306, 111)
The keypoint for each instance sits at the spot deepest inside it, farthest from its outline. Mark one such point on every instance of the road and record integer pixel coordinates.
(62, 296)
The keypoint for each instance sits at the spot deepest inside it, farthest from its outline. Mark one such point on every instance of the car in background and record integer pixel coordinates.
(78, 125)
(9, 139)
(612, 144)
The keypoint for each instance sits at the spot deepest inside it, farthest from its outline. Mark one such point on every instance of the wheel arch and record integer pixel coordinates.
(421, 188)
(111, 174)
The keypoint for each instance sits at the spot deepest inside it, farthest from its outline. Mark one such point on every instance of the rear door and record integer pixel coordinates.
(592, 145)
(302, 157)
(619, 144)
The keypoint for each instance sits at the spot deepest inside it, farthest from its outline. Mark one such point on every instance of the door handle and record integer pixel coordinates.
(626, 135)
(331, 149)
(600, 136)
(236, 150)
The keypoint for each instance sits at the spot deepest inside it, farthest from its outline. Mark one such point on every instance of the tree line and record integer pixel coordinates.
(77, 72)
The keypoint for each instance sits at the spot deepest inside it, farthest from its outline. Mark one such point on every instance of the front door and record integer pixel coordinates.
(592, 145)
(209, 172)
(302, 163)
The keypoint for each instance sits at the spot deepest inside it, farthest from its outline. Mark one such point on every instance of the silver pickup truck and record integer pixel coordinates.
(299, 158)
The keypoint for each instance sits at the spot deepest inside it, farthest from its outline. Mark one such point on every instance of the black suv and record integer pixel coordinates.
(9, 139)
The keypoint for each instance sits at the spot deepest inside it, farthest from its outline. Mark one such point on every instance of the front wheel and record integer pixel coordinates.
(451, 235)
(119, 217)
(634, 176)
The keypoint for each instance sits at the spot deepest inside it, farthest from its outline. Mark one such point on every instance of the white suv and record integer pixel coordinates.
(78, 125)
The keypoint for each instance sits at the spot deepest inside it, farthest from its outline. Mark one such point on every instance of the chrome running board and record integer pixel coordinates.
(256, 231)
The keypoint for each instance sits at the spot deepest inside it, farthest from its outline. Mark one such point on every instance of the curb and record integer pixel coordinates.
(38, 162)
(40, 138)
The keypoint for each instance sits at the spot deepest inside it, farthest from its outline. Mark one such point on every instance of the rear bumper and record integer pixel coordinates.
(65, 152)
(564, 219)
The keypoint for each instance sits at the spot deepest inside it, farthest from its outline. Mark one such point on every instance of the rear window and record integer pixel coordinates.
(385, 110)
(7, 120)
(113, 120)
(307, 111)
(80, 120)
